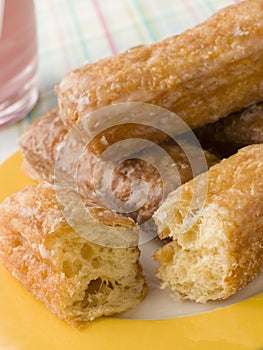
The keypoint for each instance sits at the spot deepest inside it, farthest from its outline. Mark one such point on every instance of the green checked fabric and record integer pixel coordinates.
(74, 32)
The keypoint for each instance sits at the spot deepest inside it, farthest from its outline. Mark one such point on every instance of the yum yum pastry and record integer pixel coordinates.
(77, 279)
(202, 75)
(215, 222)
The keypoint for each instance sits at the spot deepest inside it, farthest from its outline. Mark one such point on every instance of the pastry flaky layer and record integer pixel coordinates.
(204, 74)
(241, 128)
(217, 237)
(76, 279)
(43, 142)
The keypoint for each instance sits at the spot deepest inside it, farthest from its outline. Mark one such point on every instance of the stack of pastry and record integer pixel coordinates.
(203, 75)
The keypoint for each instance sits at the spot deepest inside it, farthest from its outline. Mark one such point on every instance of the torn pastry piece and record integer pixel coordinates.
(217, 236)
(78, 280)
(135, 187)
(202, 75)
(238, 129)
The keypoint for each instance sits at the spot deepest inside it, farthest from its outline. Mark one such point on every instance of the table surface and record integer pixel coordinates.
(74, 32)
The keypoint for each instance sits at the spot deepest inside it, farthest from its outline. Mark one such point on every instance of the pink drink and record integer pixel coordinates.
(18, 59)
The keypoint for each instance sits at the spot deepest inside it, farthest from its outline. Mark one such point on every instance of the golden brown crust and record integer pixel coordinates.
(40, 146)
(60, 267)
(242, 128)
(202, 75)
(226, 239)
(39, 143)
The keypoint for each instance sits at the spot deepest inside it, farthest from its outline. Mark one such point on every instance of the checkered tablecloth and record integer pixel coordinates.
(72, 32)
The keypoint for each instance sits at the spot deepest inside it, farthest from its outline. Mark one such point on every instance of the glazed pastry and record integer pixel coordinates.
(241, 128)
(202, 75)
(42, 142)
(215, 222)
(40, 145)
(78, 280)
